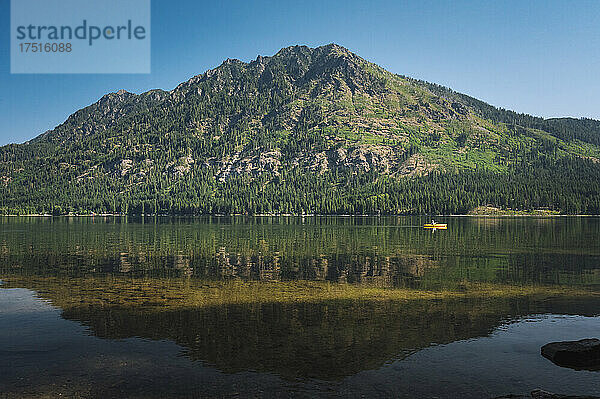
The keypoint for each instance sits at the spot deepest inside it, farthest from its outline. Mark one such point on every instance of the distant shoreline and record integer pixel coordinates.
(507, 215)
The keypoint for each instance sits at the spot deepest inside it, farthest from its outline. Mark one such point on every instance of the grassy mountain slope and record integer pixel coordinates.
(306, 130)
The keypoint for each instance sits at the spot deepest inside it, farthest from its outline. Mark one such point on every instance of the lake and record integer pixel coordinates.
(294, 307)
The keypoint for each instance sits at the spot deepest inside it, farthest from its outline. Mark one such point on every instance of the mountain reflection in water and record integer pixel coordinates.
(326, 341)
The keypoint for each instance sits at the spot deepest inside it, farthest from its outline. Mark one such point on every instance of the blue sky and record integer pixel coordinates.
(538, 57)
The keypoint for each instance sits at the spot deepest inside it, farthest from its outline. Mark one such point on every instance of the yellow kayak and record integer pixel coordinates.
(436, 226)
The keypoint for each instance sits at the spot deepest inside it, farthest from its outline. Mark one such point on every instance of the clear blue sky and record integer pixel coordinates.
(538, 57)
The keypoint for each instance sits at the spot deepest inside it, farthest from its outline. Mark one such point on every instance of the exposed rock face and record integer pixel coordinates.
(416, 165)
(125, 166)
(583, 354)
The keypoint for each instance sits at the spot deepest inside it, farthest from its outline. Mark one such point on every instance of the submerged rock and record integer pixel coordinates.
(582, 354)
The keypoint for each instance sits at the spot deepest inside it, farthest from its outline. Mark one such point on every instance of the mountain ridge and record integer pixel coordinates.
(320, 119)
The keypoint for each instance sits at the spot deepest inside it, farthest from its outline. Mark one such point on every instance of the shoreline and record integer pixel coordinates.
(540, 215)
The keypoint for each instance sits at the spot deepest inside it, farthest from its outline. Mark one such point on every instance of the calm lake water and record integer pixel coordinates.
(101, 307)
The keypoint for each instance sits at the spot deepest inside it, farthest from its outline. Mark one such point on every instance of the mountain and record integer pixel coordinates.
(317, 130)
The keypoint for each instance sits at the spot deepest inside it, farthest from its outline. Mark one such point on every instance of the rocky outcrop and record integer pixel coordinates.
(416, 165)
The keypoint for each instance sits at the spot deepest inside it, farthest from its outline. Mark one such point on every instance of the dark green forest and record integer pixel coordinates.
(558, 186)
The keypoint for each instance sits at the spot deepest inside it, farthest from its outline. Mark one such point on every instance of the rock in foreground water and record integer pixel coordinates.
(541, 394)
(582, 354)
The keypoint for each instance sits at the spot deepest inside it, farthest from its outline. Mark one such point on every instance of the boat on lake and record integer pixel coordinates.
(435, 225)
